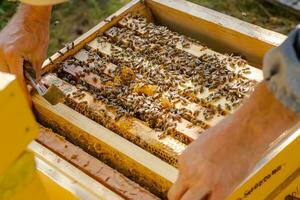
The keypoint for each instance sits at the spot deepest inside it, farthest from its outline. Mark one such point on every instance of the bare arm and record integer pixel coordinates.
(269, 117)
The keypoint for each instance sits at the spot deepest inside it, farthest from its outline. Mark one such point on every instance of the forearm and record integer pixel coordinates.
(263, 118)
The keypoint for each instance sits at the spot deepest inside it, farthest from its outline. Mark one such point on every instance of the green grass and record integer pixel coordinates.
(72, 19)
(7, 9)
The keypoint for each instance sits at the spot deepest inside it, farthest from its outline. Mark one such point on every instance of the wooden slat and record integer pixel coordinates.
(105, 48)
(92, 166)
(187, 84)
(128, 127)
(221, 32)
(122, 155)
(52, 168)
(183, 127)
(88, 78)
(194, 49)
(84, 55)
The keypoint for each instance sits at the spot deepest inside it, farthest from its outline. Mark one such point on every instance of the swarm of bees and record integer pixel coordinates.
(157, 77)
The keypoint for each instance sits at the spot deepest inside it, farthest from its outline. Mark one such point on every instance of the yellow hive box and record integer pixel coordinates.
(21, 181)
(54, 190)
(292, 191)
(277, 176)
(17, 124)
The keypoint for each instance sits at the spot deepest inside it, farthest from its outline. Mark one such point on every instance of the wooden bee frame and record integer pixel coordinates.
(220, 32)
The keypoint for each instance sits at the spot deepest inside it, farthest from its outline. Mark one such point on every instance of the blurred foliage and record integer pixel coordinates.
(70, 20)
(257, 12)
(7, 9)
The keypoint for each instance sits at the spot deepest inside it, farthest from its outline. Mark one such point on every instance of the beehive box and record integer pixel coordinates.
(145, 82)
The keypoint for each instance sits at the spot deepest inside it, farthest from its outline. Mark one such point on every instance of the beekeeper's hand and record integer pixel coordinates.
(25, 37)
(216, 163)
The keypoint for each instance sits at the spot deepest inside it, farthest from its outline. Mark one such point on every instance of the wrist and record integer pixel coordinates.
(39, 14)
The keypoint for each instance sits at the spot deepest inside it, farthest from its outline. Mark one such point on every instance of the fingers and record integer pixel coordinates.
(197, 193)
(15, 65)
(37, 66)
(178, 189)
(182, 191)
(37, 59)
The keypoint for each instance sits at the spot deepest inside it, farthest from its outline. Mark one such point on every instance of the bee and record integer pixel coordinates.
(95, 80)
(60, 53)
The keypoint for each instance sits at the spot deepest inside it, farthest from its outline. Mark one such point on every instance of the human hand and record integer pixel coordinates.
(212, 166)
(25, 38)
(216, 163)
